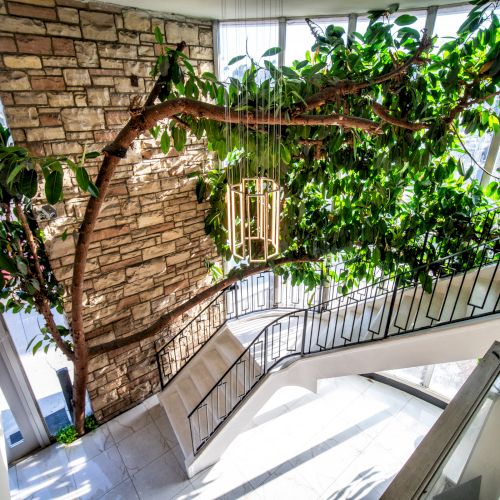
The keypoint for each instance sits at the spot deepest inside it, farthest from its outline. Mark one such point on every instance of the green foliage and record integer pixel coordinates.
(21, 174)
(67, 435)
(370, 197)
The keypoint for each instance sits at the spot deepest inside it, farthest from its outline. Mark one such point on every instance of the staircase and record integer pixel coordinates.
(238, 365)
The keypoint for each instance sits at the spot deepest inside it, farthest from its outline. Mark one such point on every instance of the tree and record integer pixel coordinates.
(369, 136)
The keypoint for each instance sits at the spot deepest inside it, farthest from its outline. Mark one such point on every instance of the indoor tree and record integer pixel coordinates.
(369, 159)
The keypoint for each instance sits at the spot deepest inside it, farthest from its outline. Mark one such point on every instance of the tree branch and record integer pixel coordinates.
(384, 114)
(43, 302)
(199, 109)
(349, 87)
(199, 298)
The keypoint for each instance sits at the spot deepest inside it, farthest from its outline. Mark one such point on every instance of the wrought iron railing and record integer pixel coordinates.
(267, 291)
(459, 287)
(260, 292)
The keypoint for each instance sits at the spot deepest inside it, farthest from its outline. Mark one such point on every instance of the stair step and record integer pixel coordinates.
(229, 347)
(177, 415)
(189, 392)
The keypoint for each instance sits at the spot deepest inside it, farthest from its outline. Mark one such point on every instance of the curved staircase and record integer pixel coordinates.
(215, 383)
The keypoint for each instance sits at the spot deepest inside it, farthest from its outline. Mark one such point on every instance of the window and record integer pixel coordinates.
(239, 38)
(448, 20)
(299, 38)
(421, 15)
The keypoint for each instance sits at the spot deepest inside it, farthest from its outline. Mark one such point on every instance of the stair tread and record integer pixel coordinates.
(177, 415)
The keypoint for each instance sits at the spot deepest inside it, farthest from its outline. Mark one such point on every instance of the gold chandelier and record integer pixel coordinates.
(253, 209)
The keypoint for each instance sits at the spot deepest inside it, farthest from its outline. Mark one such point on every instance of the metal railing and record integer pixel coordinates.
(456, 288)
(266, 291)
(258, 293)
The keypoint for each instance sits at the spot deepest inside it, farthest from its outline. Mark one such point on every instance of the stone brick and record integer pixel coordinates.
(61, 99)
(22, 25)
(109, 280)
(49, 119)
(39, 98)
(124, 84)
(47, 83)
(205, 53)
(68, 15)
(14, 80)
(177, 32)
(42, 3)
(22, 117)
(77, 77)
(86, 54)
(145, 51)
(178, 258)
(111, 63)
(34, 44)
(205, 37)
(137, 68)
(98, 26)
(59, 62)
(76, 119)
(141, 311)
(117, 50)
(23, 10)
(7, 44)
(98, 97)
(117, 117)
(135, 20)
(63, 46)
(125, 36)
(45, 134)
(66, 30)
(22, 62)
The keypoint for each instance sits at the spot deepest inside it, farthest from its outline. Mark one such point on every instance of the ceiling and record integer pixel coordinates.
(237, 9)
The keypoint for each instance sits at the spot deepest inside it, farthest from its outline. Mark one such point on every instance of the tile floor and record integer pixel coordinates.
(345, 442)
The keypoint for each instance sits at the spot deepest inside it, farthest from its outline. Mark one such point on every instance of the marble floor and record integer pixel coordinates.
(345, 442)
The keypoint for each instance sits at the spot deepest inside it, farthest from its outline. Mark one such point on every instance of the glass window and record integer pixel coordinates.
(448, 20)
(421, 15)
(41, 368)
(240, 38)
(299, 38)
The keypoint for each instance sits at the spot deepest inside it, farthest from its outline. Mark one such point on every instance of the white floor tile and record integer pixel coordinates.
(124, 491)
(97, 476)
(142, 447)
(129, 422)
(90, 445)
(161, 479)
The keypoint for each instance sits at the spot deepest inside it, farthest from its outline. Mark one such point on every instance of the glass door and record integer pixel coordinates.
(23, 427)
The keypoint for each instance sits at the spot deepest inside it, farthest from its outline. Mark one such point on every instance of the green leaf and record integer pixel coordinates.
(21, 265)
(155, 131)
(158, 35)
(37, 346)
(179, 136)
(54, 187)
(82, 178)
(13, 173)
(7, 264)
(405, 20)
(93, 190)
(271, 52)
(93, 154)
(165, 142)
(28, 183)
(235, 60)
(285, 154)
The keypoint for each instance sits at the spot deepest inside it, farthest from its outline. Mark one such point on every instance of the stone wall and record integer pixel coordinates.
(68, 73)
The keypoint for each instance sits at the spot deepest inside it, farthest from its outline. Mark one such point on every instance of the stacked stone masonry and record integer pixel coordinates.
(68, 73)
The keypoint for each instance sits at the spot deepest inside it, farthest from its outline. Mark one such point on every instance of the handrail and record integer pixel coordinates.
(455, 266)
(235, 296)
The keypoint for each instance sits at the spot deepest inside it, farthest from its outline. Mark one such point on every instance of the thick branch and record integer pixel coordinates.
(198, 299)
(198, 109)
(384, 114)
(349, 87)
(43, 302)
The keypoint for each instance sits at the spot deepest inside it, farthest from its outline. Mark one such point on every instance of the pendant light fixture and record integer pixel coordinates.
(253, 189)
